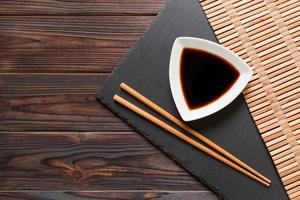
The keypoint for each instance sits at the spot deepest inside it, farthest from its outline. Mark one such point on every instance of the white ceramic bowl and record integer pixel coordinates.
(208, 46)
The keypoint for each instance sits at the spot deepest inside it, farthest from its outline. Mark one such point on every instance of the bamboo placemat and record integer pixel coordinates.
(266, 34)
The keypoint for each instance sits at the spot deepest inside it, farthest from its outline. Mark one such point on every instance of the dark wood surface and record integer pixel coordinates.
(56, 141)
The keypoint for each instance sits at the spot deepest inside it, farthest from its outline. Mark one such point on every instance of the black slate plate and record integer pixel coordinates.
(145, 68)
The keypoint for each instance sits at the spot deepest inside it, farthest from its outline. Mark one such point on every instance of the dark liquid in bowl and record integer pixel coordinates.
(205, 77)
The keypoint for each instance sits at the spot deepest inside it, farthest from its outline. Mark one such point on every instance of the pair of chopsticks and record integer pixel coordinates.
(238, 165)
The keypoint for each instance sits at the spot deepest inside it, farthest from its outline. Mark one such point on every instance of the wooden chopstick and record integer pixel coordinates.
(185, 138)
(192, 131)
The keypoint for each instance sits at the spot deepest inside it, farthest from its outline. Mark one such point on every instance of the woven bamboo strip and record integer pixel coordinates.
(281, 5)
(266, 34)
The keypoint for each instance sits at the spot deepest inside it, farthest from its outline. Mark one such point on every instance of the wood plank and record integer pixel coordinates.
(83, 195)
(87, 7)
(87, 161)
(53, 165)
(30, 102)
(67, 43)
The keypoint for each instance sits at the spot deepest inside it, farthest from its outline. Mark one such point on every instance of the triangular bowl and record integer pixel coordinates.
(175, 82)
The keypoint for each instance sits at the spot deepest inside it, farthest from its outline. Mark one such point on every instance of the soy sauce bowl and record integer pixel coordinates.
(245, 74)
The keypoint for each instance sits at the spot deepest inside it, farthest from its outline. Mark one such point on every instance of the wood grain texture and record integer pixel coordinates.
(116, 195)
(66, 43)
(64, 102)
(87, 161)
(75, 160)
(56, 141)
(77, 7)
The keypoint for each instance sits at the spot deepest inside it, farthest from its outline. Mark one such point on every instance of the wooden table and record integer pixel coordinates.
(57, 141)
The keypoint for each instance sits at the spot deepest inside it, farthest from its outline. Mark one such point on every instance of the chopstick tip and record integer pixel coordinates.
(265, 183)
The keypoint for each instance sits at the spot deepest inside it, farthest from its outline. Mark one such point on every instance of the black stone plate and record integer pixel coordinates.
(145, 68)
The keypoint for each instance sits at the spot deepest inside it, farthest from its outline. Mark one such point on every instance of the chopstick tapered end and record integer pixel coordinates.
(265, 179)
(268, 184)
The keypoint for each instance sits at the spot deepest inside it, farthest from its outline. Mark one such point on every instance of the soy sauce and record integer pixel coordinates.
(205, 77)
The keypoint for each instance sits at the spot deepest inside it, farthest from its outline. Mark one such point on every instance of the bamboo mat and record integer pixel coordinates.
(266, 34)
